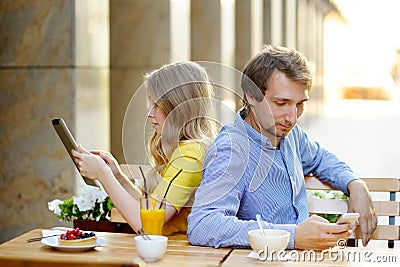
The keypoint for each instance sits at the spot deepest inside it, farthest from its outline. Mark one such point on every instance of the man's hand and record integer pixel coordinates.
(317, 233)
(360, 201)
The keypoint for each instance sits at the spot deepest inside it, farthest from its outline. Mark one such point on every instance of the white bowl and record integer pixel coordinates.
(151, 250)
(275, 240)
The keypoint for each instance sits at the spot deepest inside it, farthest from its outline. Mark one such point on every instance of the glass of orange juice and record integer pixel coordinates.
(152, 214)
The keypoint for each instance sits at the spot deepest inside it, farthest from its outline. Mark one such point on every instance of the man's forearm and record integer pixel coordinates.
(356, 185)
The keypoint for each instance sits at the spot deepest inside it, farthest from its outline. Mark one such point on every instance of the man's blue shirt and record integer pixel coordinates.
(244, 175)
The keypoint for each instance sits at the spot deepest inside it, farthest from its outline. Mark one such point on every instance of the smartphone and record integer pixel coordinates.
(350, 218)
(69, 143)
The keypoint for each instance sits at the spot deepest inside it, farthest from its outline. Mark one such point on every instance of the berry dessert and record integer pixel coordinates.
(76, 237)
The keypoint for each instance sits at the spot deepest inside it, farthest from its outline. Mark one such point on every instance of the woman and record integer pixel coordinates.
(180, 107)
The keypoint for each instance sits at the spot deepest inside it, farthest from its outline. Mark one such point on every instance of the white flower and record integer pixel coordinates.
(99, 194)
(88, 196)
(54, 206)
(92, 193)
(83, 203)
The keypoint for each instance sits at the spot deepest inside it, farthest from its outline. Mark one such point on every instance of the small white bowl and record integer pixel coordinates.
(274, 240)
(151, 250)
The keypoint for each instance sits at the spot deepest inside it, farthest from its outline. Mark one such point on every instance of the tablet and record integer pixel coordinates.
(69, 143)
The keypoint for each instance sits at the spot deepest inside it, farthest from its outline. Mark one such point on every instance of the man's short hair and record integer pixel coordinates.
(260, 69)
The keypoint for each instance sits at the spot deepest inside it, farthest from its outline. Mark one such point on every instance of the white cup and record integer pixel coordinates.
(271, 244)
(151, 250)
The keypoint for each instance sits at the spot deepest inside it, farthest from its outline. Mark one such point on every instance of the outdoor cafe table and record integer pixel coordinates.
(349, 256)
(119, 250)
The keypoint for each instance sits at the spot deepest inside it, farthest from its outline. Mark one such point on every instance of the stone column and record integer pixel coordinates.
(206, 30)
(276, 22)
(290, 23)
(267, 17)
(243, 33)
(206, 45)
(37, 84)
(50, 66)
(140, 42)
(322, 9)
(244, 39)
(302, 26)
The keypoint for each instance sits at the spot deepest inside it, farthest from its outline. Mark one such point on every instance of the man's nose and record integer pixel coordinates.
(291, 114)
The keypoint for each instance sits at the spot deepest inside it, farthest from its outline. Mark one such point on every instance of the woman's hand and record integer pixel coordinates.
(91, 165)
(110, 161)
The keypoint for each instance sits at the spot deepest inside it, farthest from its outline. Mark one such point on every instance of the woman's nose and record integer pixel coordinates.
(150, 113)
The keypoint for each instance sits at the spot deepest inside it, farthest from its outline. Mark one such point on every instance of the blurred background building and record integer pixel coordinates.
(84, 60)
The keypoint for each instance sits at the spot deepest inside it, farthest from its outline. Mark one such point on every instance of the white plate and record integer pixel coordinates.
(53, 242)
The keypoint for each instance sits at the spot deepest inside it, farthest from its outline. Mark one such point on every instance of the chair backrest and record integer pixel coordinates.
(132, 170)
(133, 173)
(389, 207)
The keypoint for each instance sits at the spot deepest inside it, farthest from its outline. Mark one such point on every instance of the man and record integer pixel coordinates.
(257, 165)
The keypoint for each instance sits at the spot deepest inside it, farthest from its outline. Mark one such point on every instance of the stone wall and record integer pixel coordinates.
(37, 84)
(48, 68)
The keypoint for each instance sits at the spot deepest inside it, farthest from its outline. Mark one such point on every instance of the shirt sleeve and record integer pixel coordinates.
(323, 164)
(217, 202)
(188, 157)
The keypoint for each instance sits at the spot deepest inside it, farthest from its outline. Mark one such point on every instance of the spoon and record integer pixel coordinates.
(143, 234)
(39, 238)
(258, 217)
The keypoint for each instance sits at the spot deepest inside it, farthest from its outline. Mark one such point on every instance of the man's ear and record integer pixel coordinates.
(250, 98)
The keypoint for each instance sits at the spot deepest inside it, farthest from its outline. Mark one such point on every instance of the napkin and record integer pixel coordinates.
(252, 255)
(51, 232)
(283, 257)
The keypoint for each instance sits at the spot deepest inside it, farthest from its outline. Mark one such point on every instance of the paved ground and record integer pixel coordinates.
(366, 134)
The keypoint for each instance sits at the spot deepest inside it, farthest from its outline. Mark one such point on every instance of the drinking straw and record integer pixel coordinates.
(169, 185)
(146, 196)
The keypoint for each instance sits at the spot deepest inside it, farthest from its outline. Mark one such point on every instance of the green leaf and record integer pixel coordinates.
(332, 218)
(70, 211)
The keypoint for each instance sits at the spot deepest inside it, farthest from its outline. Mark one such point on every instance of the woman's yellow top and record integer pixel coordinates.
(189, 157)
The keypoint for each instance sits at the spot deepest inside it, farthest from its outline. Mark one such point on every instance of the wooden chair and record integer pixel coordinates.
(134, 174)
(388, 187)
(133, 171)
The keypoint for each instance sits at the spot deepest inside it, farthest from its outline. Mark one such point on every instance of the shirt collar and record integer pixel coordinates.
(252, 133)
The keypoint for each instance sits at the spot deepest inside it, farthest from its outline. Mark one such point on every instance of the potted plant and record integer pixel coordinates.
(89, 210)
(327, 194)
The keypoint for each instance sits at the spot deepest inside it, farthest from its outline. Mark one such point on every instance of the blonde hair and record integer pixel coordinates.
(184, 94)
